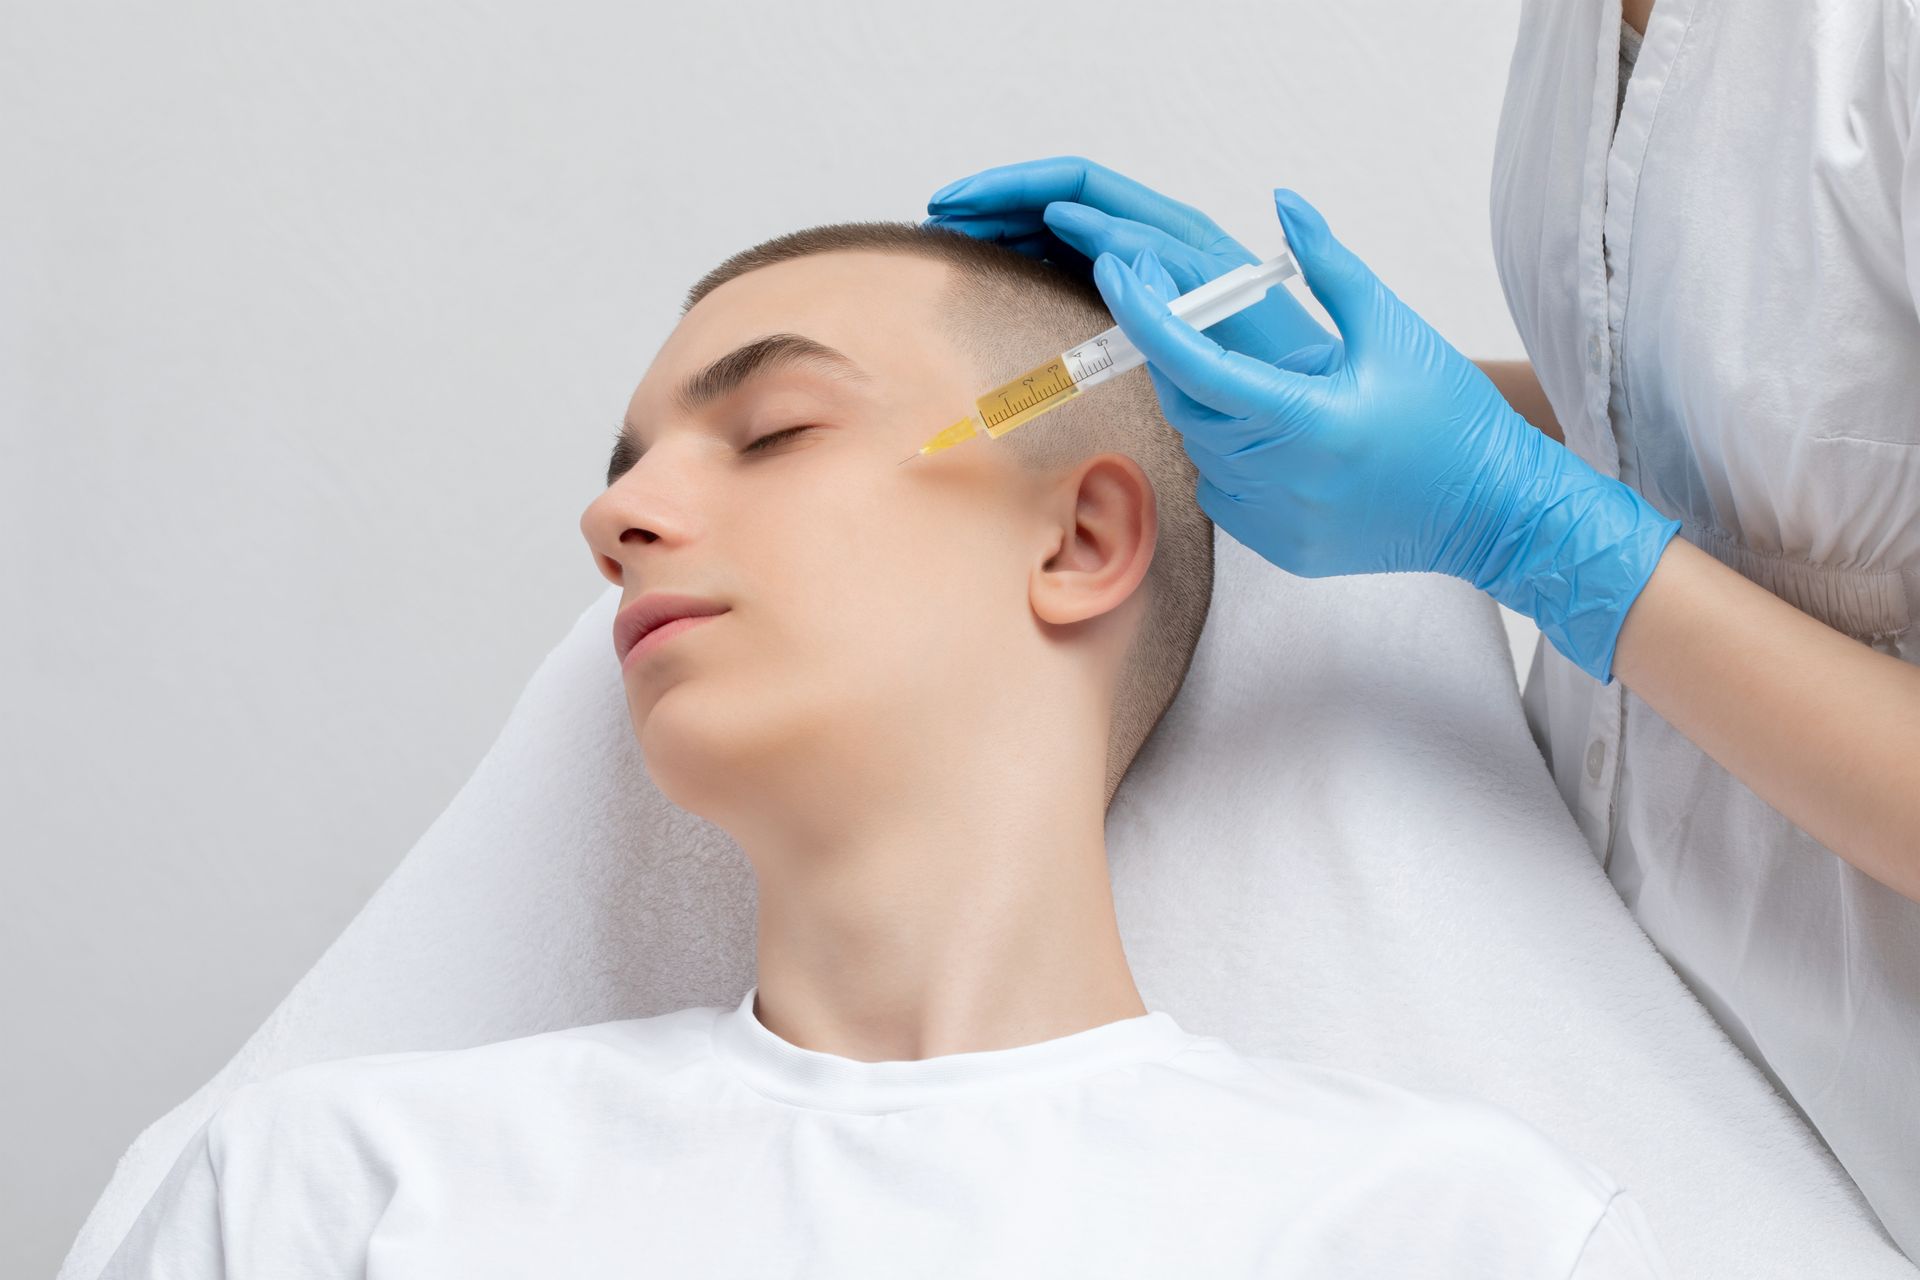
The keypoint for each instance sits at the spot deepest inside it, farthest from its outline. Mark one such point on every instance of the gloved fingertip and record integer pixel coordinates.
(949, 191)
(1152, 274)
(1067, 213)
(1163, 280)
(1300, 220)
(1113, 277)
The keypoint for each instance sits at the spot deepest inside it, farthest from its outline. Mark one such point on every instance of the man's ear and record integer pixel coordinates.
(1105, 526)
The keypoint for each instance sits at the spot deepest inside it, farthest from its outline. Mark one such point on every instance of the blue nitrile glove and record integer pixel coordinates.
(1393, 453)
(1067, 210)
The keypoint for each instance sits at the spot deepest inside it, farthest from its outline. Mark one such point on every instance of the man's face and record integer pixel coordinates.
(850, 582)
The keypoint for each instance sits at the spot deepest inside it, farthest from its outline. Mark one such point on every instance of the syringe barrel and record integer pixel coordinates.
(1110, 354)
(1106, 355)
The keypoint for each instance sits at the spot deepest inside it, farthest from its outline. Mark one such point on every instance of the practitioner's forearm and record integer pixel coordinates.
(1520, 386)
(1818, 725)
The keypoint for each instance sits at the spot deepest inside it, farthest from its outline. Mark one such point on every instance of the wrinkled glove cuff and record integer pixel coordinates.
(1583, 551)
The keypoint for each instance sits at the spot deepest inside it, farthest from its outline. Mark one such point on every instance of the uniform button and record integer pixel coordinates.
(1596, 756)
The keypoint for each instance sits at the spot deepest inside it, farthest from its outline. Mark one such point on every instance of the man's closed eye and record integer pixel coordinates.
(755, 446)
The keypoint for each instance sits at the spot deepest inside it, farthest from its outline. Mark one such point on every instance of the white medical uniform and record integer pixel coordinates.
(1719, 297)
(699, 1143)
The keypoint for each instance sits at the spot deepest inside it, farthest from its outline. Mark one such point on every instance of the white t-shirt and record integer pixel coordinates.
(698, 1143)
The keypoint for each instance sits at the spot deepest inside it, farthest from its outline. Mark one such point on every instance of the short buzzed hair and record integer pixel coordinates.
(1010, 312)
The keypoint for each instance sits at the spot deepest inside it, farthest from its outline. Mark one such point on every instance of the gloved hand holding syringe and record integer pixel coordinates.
(1107, 355)
(1379, 450)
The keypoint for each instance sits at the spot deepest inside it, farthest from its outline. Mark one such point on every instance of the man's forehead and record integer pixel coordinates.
(877, 308)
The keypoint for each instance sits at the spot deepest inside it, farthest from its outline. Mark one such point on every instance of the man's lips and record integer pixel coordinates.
(653, 609)
(662, 634)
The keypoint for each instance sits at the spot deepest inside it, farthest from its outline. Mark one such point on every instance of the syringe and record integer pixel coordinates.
(1108, 355)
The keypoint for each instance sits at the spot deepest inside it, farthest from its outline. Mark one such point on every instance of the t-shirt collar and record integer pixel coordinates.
(805, 1077)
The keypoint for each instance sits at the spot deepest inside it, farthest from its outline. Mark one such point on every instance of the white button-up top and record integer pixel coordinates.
(1721, 298)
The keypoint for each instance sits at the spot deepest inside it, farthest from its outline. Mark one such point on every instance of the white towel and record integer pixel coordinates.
(1339, 846)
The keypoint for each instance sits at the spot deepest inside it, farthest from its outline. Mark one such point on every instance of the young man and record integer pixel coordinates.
(912, 696)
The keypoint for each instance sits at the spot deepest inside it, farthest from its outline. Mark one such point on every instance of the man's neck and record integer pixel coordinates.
(984, 929)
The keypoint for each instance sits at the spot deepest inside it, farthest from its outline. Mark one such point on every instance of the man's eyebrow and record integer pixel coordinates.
(776, 349)
(726, 374)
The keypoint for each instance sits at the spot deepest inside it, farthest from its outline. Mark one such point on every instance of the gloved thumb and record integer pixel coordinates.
(1345, 286)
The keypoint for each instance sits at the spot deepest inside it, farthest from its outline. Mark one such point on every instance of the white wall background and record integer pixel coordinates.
(317, 324)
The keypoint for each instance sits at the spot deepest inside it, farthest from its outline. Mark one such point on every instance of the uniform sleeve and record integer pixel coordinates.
(1621, 1247)
(1910, 173)
(178, 1234)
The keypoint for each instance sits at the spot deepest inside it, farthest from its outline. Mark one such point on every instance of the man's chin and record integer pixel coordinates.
(686, 747)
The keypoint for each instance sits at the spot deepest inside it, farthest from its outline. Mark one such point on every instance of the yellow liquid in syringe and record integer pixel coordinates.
(1009, 405)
